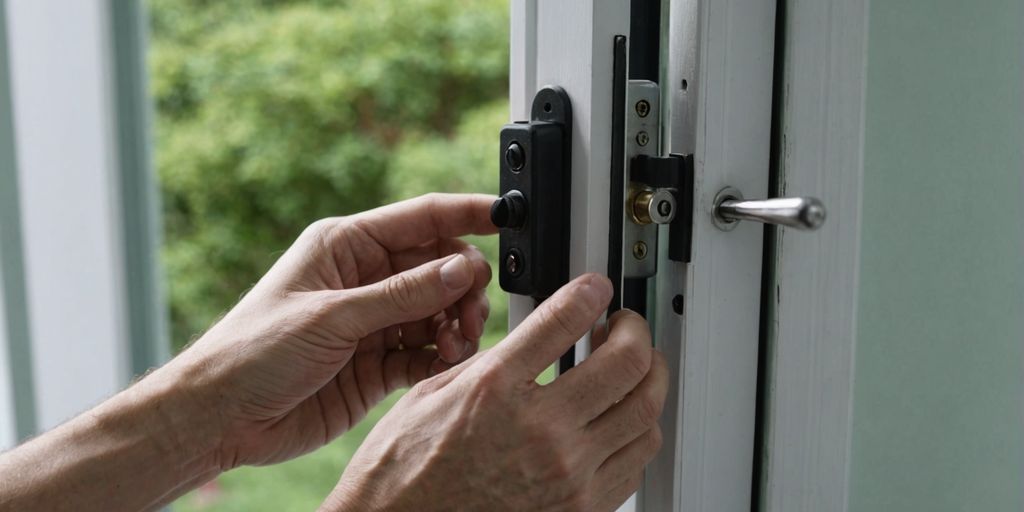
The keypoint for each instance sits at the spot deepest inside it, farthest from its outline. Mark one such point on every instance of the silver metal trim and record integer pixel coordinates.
(638, 129)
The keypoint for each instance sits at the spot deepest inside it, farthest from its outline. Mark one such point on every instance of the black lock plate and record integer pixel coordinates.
(533, 211)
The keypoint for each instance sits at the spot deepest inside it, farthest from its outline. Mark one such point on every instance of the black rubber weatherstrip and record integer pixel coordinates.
(768, 291)
(618, 171)
(644, 64)
(645, 40)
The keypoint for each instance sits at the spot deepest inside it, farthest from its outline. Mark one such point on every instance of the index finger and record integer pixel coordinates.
(429, 217)
(554, 326)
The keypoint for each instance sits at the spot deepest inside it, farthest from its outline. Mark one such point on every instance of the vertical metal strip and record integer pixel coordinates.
(146, 315)
(14, 300)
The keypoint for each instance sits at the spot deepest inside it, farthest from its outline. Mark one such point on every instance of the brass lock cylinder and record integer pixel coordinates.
(656, 206)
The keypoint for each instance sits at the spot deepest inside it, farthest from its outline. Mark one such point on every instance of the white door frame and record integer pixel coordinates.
(810, 342)
(724, 50)
(569, 43)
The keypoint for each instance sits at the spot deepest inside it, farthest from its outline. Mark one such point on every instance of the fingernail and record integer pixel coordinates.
(456, 274)
(601, 290)
(603, 285)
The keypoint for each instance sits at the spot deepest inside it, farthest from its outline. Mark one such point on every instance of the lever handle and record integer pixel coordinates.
(805, 213)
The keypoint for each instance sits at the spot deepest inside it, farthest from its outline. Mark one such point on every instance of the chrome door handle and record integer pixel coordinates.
(805, 213)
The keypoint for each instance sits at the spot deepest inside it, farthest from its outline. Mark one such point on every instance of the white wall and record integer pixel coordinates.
(61, 92)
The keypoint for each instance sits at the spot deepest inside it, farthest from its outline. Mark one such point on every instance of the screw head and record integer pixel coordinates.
(515, 157)
(643, 108)
(513, 263)
(639, 250)
(642, 138)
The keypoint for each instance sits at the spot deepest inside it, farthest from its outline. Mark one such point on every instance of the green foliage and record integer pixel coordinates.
(274, 113)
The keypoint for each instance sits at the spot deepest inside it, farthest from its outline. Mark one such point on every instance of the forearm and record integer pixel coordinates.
(138, 450)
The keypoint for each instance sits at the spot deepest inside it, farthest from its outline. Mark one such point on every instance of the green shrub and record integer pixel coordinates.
(272, 114)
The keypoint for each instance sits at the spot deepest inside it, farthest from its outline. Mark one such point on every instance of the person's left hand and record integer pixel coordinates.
(358, 307)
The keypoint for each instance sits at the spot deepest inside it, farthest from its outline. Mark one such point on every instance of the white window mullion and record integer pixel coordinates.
(60, 73)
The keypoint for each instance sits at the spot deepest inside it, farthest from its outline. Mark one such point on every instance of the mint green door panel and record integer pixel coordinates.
(939, 367)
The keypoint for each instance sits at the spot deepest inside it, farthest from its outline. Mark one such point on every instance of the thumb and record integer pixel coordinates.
(408, 296)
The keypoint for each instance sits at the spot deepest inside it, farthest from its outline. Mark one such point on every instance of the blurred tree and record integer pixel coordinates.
(273, 113)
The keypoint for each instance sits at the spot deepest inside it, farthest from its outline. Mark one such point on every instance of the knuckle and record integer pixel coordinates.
(562, 317)
(487, 387)
(636, 360)
(431, 201)
(321, 229)
(655, 440)
(400, 289)
(647, 410)
(576, 502)
(425, 387)
(489, 376)
(633, 482)
(560, 469)
(432, 197)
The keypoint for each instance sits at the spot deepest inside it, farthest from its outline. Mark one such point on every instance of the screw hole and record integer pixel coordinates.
(547, 107)
(684, 84)
(677, 304)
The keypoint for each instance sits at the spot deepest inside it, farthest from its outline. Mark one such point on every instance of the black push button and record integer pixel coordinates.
(509, 211)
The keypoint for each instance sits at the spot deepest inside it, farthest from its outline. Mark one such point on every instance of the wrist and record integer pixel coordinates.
(176, 406)
(138, 450)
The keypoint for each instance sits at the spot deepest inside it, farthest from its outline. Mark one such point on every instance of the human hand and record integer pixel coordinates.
(343, 318)
(486, 436)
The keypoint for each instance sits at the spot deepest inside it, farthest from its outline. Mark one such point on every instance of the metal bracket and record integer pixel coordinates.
(660, 189)
(643, 132)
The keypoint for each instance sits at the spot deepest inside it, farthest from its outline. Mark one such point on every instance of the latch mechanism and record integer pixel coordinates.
(667, 177)
(532, 213)
(659, 188)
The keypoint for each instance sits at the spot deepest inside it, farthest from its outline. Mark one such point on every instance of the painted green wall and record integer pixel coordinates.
(938, 418)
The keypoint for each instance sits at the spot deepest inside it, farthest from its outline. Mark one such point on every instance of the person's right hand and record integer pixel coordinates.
(485, 436)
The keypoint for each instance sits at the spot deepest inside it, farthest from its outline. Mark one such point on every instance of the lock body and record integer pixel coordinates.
(533, 211)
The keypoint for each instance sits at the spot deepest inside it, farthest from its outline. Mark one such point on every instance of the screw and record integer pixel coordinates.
(639, 250)
(642, 138)
(512, 263)
(643, 108)
(677, 304)
(515, 157)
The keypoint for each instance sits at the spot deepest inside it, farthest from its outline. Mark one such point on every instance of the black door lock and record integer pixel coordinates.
(533, 210)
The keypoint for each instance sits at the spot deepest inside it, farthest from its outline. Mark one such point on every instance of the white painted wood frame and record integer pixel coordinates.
(64, 132)
(805, 459)
(723, 49)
